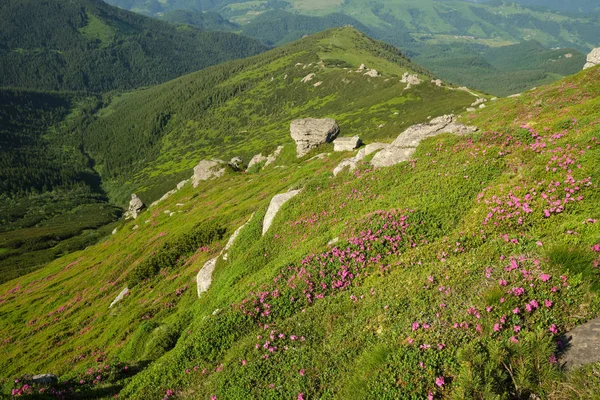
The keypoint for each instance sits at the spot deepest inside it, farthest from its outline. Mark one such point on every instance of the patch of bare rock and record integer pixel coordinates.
(276, 203)
(582, 345)
(308, 133)
(593, 59)
(346, 143)
(268, 160)
(208, 169)
(406, 144)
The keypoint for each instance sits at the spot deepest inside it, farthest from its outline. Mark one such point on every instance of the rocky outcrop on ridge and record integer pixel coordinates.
(276, 203)
(405, 145)
(410, 80)
(593, 59)
(136, 205)
(208, 169)
(308, 133)
(346, 143)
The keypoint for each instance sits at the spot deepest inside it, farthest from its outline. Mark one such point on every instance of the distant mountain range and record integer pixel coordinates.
(89, 45)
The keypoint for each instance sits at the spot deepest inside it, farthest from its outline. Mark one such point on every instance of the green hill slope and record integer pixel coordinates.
(51, 195)
(453, 276)
(240, 108)
(89, 45)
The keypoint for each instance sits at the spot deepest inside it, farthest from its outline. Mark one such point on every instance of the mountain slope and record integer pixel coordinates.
(238, 108)
(89, 45)
(51, 195)
(204, 20)
(451, 272)
(439, 32)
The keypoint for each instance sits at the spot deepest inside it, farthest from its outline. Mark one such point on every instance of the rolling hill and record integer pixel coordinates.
(89, 45)
(454, 274)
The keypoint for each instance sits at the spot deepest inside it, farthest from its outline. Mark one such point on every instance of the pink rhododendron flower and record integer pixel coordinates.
(439, 381)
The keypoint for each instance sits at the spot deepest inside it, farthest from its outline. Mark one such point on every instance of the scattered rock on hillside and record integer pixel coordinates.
(346, 143)
(405, 145)
(268, 160)
(236, 163)
(40, 379)
(308, 78)
(44, 379)
(114, 232)
(410, 79)
(310, 132)
(181, 184)
(207, 169)
(583, 345)
(257, 159)
(593, 58)
(204, 277)
(119, 297)
(438, 82)
(479, 101)
(372, 73)
(362, 67)
(276, 203)
(271, 158)
(352, 163)
(136, 205)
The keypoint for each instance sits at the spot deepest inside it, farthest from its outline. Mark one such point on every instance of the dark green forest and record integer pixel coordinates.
(89, 45)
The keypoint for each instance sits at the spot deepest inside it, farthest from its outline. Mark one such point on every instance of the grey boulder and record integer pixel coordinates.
(346, 143)
(308, 133)
(208, 169)
(276, 203)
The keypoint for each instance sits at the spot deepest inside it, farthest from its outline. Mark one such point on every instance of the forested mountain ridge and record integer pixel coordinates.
(89, 45)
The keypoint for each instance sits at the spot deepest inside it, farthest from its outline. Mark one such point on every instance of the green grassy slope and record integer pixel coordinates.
(147, 141)
(89, 45)
(419, 297)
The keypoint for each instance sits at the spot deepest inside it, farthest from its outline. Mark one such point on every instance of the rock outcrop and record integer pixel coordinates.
(208, 169)
(308, 78)
(39, 379)
(119, 297)
(346, 143)
(372, 73)
(276, 203)
(236, 163)
(136, 205)
(352, 162)
(405, 145)
(310, 132)
(593, 58)
(268, 160)
(410, 79)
